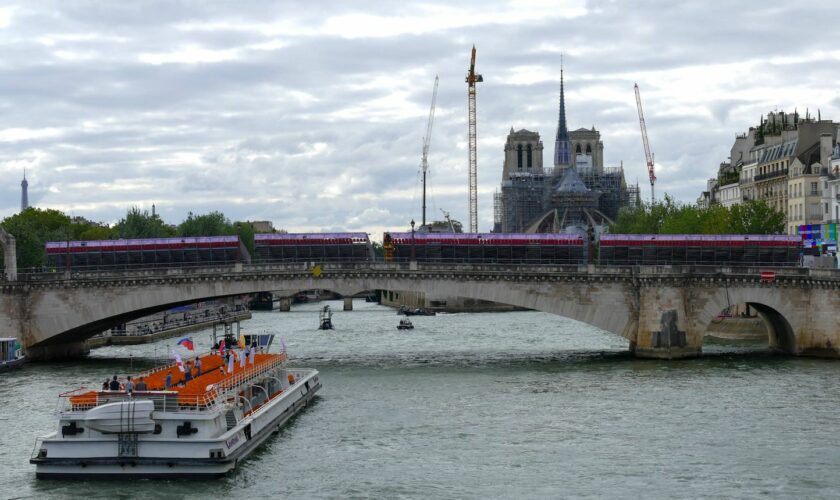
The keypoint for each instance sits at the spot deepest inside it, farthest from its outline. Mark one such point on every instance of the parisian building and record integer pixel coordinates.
(786, 161)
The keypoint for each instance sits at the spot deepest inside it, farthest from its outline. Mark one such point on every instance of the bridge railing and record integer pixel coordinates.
(440, 267)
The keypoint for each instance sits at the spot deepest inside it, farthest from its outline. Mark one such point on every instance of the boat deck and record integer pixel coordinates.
(199, 391)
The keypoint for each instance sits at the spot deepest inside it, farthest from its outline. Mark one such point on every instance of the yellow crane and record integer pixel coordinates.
(472, 79)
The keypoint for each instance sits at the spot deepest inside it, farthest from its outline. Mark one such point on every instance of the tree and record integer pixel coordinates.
(32, 228)
(211, 224)
(669, 217)
(137, 224)
(757, 217)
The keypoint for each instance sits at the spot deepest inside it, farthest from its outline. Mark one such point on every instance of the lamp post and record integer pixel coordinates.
(413, 258)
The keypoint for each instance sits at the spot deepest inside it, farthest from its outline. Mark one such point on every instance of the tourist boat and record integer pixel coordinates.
(405, 324)
(325, 319)
(200, 428)
(11, 355)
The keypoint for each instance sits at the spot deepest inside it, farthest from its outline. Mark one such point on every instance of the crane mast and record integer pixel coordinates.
(472, 79)
(648, 155)
(426, 140)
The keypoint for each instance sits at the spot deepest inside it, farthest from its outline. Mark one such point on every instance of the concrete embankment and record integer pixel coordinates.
(738, 328)
(107, 340)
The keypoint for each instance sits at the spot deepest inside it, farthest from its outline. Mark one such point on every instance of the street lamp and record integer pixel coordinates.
(412, 241)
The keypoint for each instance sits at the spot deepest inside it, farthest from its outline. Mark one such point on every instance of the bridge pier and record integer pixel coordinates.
(58, 351)
(284, 304)
(348, 303)
(664, 330)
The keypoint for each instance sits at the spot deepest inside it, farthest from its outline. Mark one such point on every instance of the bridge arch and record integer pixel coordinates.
(57, 320)
(779, 316)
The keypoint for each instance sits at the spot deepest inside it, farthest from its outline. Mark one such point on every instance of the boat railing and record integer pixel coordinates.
(81, 400)
(232, 384)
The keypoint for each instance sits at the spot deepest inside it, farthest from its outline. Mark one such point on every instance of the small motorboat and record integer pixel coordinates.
(417, 312)
(11, 355)
(325, 319)
(405, 324)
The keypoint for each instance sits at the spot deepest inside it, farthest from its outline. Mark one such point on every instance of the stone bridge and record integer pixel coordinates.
(663, 311)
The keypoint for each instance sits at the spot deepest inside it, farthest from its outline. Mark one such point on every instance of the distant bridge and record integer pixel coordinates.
(662, 310)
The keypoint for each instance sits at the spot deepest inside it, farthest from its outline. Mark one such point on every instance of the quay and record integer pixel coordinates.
(175, 331)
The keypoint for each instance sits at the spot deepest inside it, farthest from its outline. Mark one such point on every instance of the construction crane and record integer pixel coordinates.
(648, 154)
(426, 140)
(472, 79)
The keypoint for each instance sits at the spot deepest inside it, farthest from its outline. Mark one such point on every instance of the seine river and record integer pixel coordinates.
(497, 405)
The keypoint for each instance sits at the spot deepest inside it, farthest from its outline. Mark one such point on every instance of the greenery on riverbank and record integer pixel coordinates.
(670, 217)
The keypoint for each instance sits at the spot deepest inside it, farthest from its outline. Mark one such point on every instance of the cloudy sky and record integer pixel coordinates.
(311, 114)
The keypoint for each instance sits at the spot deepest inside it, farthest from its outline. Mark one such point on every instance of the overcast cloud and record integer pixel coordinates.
(311, 114)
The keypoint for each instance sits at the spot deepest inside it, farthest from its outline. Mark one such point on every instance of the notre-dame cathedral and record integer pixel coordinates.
(577, 193)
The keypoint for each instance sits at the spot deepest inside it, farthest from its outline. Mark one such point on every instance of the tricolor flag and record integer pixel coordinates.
(243, 357)
(222, 348)
(187, 342)
(179, 362)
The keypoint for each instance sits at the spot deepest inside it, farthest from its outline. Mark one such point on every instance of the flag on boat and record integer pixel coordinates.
(242, 341)
(252, 352)
(187, 342)
(221, 347)
(243, 358)
(179, 362)
(230, 362)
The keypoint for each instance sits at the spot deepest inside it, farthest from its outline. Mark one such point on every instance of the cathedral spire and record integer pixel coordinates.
(562, 145)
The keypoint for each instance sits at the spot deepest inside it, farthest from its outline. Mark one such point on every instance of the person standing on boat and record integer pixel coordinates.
(188, 373)
(129, 385)
(168, 383)
(115, 384)
(197, 367)
(105, 385)
(141, 386)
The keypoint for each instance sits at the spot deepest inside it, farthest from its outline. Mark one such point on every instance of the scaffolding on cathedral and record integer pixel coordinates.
(521, 201)
(610, 183)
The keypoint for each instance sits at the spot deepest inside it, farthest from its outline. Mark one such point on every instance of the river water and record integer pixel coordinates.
(496, 405)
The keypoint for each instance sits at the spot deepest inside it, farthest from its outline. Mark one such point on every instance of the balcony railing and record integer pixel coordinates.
(771, 175)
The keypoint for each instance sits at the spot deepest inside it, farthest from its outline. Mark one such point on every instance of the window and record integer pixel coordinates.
(814, 188)
(519, 156)
(529, 156)
(589, 149)
(577, 149)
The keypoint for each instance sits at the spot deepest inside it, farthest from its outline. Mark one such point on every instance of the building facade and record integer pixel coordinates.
(784, 162)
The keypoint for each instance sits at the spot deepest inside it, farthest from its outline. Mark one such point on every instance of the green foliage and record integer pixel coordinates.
(137, 224)
(211, 224)
(245, 231)
(669, 217)
(757, 217)
(378, 251)
(32, 228)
